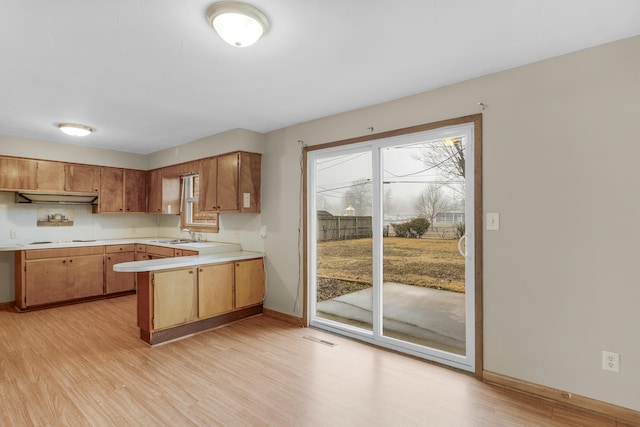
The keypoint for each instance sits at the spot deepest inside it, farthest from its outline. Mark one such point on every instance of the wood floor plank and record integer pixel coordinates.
(84, 365)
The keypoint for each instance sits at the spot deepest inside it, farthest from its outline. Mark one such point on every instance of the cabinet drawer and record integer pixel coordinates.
(63, 252)
(141, 248)
(119, 248)
(160, 250)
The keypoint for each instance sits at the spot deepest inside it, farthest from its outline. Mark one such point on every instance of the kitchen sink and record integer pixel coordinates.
(173, 241)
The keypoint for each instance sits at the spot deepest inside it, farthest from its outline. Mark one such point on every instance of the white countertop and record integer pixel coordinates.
(185, 261)
(203, 248)
(208, 252)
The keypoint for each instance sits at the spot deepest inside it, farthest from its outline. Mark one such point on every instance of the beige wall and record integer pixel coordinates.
(560, 155)
(233, 140)
(36, 149)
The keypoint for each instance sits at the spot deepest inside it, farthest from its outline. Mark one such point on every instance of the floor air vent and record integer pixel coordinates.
(318, 340)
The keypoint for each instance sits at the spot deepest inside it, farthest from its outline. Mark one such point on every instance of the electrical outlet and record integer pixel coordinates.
(13, 234)
(610, 361)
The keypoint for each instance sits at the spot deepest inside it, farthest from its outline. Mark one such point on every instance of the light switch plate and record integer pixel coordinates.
(493, 221)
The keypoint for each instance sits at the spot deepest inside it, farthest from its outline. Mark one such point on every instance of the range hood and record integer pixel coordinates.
(58, 199)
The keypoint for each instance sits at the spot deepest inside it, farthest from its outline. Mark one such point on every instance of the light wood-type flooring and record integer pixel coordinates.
(83, 365)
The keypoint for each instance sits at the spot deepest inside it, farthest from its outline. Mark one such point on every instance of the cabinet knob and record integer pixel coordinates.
(70, 261)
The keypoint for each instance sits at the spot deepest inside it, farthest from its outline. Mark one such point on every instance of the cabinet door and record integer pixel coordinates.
(116, 281)
(46, 281)
(215, 289)
(17, 174)
(86, 275)
(111, 190)
(174, 298)
(50, 176)
(154, 191)
(82, 178)
(208, 197)
(135, 192)
(170, 189)
(171, 194)
(227, 183)
(249, 282)
(249, 182)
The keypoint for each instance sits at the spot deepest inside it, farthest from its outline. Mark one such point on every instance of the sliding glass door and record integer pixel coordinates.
(390, 250)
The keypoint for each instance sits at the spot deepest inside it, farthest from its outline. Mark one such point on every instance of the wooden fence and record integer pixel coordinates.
(343, 227)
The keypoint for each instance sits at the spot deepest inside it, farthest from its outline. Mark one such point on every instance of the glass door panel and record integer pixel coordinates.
(423, 286)
(343, 196)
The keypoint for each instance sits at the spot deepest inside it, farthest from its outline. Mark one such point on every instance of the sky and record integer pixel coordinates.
(404, 177)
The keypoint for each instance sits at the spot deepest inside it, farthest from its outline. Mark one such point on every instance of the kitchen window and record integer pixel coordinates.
(191, 216)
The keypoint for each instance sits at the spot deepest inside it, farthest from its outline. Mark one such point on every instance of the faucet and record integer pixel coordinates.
(191, 233)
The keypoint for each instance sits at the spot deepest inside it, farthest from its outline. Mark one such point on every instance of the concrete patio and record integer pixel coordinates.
(425, 316)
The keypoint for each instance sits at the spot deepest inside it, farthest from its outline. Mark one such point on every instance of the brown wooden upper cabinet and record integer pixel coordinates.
(230, 183)
(135, 191)
(17, 174)
(82, 178)
(154, 191)
(111, 191)
(122, 191)
(50, 176)
(163, 187)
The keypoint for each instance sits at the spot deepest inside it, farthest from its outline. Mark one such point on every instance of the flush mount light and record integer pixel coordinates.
(239, 24)
(75, 130)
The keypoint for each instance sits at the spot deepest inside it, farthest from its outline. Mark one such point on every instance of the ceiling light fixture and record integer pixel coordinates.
(239, 24)
(75, 130)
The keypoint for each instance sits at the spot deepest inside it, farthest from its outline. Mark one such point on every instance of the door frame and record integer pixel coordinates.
(476, 119)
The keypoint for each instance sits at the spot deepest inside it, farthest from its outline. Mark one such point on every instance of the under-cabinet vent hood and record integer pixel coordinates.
(60, 199)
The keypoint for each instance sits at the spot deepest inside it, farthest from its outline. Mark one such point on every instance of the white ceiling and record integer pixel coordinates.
(152, 74)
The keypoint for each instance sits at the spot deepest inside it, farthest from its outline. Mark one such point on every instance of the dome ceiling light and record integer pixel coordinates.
(239, 24)
(75, 130)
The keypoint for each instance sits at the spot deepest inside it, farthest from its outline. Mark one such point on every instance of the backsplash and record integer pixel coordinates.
(19, 224)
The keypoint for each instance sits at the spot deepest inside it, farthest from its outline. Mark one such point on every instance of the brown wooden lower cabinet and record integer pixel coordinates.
(49, 276)
(247, 274)
(147, 252)
(114, 281)
(174, 296)
(215, 289)
(175, 303)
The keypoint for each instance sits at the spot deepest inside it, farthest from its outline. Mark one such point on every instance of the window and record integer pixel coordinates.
(192, 217)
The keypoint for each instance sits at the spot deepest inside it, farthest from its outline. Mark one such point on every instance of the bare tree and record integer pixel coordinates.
(359, 197)
(446, 155)
(431, 202)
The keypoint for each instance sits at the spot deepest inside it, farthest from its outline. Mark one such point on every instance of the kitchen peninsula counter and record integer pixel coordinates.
(180, 296)
(185, 261)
